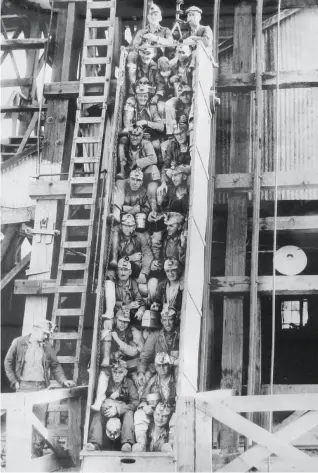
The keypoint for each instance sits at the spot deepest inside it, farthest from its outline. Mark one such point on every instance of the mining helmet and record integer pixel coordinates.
(154, 7)
(178, 170)
(128, 219)
(171, 263)
(123, 315)
(168, 311)
(163, 409)
(193, 9)
(136, 130)
(119, 364)
(124, 263)
(142, 89)
(45, 325)
(184, 89)
(162, 358)
(174, 217)
(137, 174)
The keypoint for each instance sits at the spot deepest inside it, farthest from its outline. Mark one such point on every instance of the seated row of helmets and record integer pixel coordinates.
(135, 401)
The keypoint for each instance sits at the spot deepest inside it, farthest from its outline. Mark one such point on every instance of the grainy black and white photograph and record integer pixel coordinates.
(159, 236)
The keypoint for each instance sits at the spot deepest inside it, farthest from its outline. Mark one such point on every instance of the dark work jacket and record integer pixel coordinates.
(161, 296)
(15, 359)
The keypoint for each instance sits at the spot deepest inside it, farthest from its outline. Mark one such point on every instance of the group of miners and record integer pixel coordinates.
(134, 408)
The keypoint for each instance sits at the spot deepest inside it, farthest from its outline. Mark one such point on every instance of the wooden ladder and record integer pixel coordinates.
(77, 232)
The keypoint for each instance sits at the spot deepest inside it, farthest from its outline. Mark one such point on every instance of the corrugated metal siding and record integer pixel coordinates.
(298, 107)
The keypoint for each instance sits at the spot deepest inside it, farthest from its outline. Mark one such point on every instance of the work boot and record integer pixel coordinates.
(102, 384)
(106, 342)
(114, 250)
(141, 438)
(110, 299)
(132, 76)
(126, 447)
(122, 159)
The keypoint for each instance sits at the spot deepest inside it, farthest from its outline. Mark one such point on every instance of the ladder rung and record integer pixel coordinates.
(73, 266)
(100, 5)
(87, 139)
(79, 201)
(87, 120)
(98, 42)
(99, 23)
(67, 359)
(68, 312)
(92, 99)
(69, 289)
(75, 244)
(96, 60)
(81, 160)
(67, 336)
(94, 80)
(83, 180)
(78, 223)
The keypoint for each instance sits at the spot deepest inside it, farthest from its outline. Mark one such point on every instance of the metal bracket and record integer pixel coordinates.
(214, 101)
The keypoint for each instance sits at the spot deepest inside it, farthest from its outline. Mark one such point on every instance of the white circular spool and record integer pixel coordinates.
(290, 260)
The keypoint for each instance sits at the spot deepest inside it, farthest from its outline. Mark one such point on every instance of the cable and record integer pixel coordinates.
(46, 53)
(276, 160)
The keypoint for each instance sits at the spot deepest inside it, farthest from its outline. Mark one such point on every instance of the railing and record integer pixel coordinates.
(195, 430)
(19, 422)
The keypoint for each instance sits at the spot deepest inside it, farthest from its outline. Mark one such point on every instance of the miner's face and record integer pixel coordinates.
(135, 140)
(40, 334)
(121, 325)
(135, 183)
(172, 274)
(146, 55)
(194, 18)
(142, 99)
(118, 374)
(173, 228)
(185, 98)
(128, 230)
(154, 17)
(182, 136)
(168, 322)
(163, 370)
(123, 273)
(177, 178)
(160, 419)
(183, 53)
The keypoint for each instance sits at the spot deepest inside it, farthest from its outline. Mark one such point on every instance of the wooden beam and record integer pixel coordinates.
(17, 82)
(39, 189)
(285, 180)
(287, 80)
(285, 285)
(17, 215)
(22, 108)
(15, 271)
(19, 157)
(65, 88)
(185, 434)
(25, 43)
(235, 258)
(275, 402)
(27, 287)
(308, 222)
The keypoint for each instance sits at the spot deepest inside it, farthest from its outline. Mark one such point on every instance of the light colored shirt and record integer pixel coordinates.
(33, 369)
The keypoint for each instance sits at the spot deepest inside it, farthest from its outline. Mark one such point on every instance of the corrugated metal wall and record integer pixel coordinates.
(298, 107)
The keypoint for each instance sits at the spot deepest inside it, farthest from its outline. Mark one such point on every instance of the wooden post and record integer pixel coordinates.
(185, 434)
(74, 428)
(232, 350)
(19, 436)
(203, 441)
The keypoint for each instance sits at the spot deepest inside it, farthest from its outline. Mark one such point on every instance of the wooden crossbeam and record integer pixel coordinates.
(16, 215)
(25, 43)
(308, 222)
(15, 271)
(258, 453)
(287, 80)
(285, 180)
(17, 82)
(285, 285)
(34, 287)
(273, 443)
(275, 402)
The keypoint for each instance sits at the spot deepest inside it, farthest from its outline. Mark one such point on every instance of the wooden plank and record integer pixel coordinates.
(258, 453)
(285, 180)
(203, 442)
(74, 429)
(11, 400)
(46, 463)
(285, 285)
(25, 286)
(25, 43)
(40, 189)
(19, 157)
(232, 343)
(294, 458)
(290, 388)
(287, 80)
(22, 108)
(67, 89)
(185, 434)
(15, 271)
(275, 402)
(17, 215)
(68, 42)
(308, 222)
(16, 82)
(19, 432)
